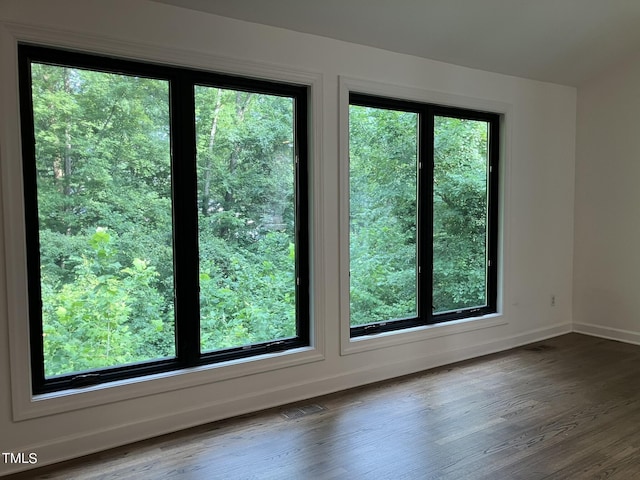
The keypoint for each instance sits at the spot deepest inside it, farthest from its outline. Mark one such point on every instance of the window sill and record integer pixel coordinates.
(417, 334)
(78, 398)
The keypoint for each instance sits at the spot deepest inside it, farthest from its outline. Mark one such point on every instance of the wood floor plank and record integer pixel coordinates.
(563, 409)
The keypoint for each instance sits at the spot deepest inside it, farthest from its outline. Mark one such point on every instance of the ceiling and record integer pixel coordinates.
(560, 41)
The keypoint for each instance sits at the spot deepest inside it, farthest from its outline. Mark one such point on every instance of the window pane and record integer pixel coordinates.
(460, 213)
(246, 203)
(104, 210)
(383, 214)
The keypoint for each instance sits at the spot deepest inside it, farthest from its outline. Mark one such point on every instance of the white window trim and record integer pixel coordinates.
(349, 345)
(25, 404)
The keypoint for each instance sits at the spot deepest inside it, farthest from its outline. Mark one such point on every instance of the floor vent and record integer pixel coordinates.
(302, 411)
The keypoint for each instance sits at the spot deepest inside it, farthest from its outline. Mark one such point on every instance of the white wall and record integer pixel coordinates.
(537, 225)
(607, 223)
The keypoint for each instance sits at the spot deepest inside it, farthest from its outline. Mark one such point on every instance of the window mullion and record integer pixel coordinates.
(185, 220)
(425, 216)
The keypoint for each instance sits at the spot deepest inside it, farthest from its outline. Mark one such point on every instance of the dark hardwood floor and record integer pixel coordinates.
(565, 408)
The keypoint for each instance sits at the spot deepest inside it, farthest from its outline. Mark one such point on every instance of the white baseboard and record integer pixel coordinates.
(75, 446)
(609, 333)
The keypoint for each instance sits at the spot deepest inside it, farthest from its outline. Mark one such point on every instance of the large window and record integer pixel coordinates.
(422, 213)
(166, 214)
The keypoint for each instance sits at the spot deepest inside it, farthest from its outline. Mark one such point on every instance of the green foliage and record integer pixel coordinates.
(246, 221)
(103, 161)
(104, 203)
(248, 297)
(106, 316)
(383, 182)
(383, 208)
(459, 212)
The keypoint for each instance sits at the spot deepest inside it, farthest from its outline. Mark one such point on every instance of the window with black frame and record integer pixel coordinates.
(423, 208)
(166, 215)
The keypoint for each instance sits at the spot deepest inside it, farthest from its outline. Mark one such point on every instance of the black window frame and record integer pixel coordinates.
(426, 114)
(182, 82)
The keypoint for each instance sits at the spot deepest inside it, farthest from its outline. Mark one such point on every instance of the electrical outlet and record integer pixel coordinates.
(553, 300)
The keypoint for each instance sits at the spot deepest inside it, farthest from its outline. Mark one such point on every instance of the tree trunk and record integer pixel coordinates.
(242, 104)
(67, 141)
(206, 193)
